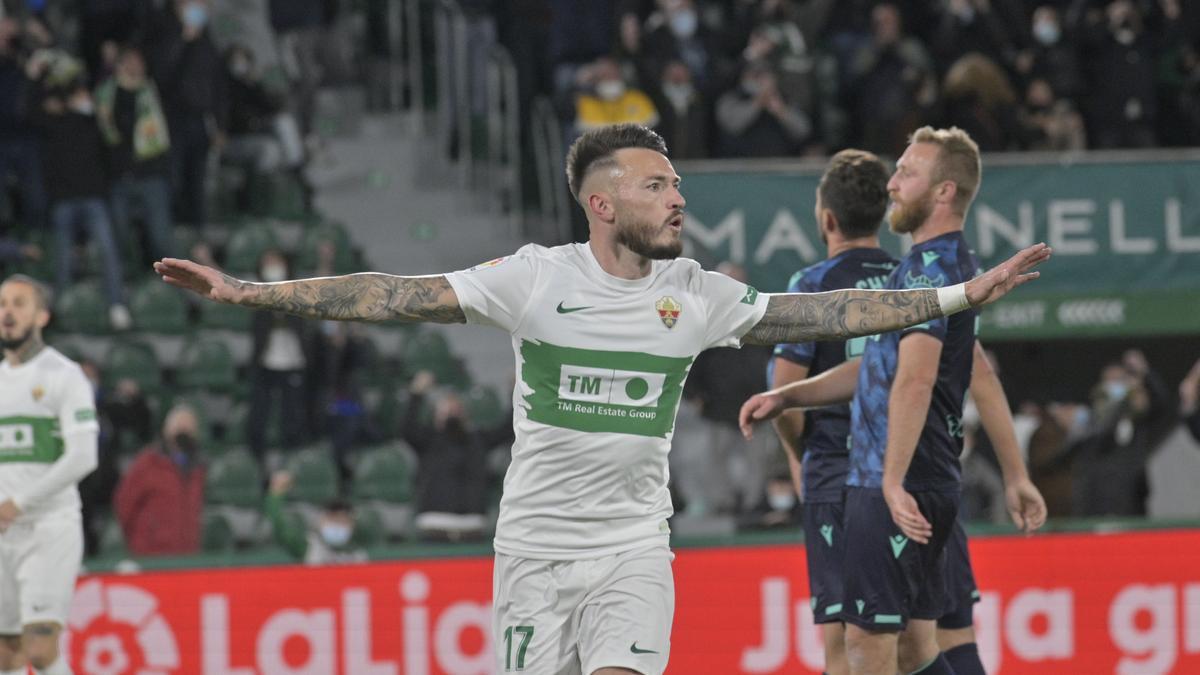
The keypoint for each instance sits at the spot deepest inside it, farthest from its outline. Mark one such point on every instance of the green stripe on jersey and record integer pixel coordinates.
(30, 439)
(592, 390)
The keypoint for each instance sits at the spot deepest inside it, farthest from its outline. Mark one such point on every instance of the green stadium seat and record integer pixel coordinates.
(82, 308)
(234, 479)
(220, 316)
(158, 308)
(314, 476)
(383, 474)
(134, 360)
(246, 245)
(216, 534)
(344, 261)
(485, 407)
(276, 195)
(207, 363)
(368, 527)
(429, 350)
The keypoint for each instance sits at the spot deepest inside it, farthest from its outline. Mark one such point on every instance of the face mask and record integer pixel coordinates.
(84, 107)
(1082, 417)
(336, 535)
(781, 501)
(966, 14)
(239, 68)
(751, 87)
(684, 23)
(1046, 32)
(186, 443)
(610, 90)
(1115, 390)
(195, 15)
(273, 273)
(679, 94)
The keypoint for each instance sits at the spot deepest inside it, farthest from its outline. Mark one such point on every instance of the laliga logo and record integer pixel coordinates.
(115, 629)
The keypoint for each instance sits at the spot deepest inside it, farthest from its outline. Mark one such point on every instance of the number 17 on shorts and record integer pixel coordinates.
(516, 645)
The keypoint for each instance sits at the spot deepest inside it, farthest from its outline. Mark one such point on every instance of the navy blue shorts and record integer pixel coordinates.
(889, 579)
(961, 592)
(826, 547)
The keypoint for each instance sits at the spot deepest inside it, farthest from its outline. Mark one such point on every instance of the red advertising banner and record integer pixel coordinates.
(1121, 603)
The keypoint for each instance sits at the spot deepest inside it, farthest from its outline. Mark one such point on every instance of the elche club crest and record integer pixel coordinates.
(668, 310)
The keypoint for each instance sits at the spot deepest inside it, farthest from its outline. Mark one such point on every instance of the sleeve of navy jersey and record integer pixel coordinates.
(805, 281)
(942, 261)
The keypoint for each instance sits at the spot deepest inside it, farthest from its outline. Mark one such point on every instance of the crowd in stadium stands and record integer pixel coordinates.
(322, 444)
(755, 78)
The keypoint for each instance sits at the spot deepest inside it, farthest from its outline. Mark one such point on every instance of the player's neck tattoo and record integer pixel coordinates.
(25, 351)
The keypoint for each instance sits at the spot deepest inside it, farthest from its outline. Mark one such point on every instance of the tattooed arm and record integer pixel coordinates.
(800, 317)
(353, 297)
(835, 315)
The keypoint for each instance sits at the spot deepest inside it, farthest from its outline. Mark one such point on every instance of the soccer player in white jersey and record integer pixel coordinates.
(48, 439)
(604, 333)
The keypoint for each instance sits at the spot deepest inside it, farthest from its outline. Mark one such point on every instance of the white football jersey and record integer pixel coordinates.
(40, 401)
(600, 366)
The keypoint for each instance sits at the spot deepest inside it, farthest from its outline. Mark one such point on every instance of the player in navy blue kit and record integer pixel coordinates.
(851, 202)
(904, 480)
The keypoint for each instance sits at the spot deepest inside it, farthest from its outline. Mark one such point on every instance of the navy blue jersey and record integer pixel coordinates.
(827, 430)
(941, 261)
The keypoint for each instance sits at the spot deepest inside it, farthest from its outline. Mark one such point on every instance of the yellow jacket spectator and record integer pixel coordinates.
(605, 99)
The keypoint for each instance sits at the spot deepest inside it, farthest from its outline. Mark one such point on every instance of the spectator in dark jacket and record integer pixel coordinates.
(73, 160)
(20, 154)
(192, 77)
(297, 25)
(131, 119)
(160, 499)
(683, 113)
(279, 367)
(1189, 400)
(755, 120)
(452, 486)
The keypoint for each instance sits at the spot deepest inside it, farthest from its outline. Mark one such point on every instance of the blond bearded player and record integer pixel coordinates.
(48, 438)
(604, 333)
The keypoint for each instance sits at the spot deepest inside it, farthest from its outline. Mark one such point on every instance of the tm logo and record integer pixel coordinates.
(616, 387)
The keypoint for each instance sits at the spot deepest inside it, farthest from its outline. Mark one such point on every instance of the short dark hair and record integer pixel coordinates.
(45, 296)
(339, 505)
(595, 149)
(854, 188)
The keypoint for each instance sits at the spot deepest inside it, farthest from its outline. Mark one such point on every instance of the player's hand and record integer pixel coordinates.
(906, 514)
(998, 281)
(205, 281)
(1025, 505)
(8, 513)
(757, 408)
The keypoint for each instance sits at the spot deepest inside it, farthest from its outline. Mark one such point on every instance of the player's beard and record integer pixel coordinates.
(639, 236)
(15, 343)
(905, 218)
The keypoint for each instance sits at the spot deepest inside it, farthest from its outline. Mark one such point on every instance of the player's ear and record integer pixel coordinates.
(828, 222)
(600, 204)
(946, 191)
(42, 317)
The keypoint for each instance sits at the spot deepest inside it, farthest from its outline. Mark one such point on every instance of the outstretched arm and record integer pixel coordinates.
(835, 315)
(353, 297)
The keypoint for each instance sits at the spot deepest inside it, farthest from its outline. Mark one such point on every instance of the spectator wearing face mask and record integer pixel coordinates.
(329, 540)
(131, 119)
(281, 355)
(676, 33)
(1122, 45)
(73, 157)
(1189, 401)
(604, 98)
(755, 120)
(452, 485)
(160, 499)
(1052, 123)
(191, 74)
(1130, 416)
(779, 506)
(683, 113)
(1054, 55)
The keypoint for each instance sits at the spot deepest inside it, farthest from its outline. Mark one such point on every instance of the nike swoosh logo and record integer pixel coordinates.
(634, 648)
(568, 310)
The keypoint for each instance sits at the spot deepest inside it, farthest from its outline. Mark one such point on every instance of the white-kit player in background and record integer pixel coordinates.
(48, 439)
(604, 333)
